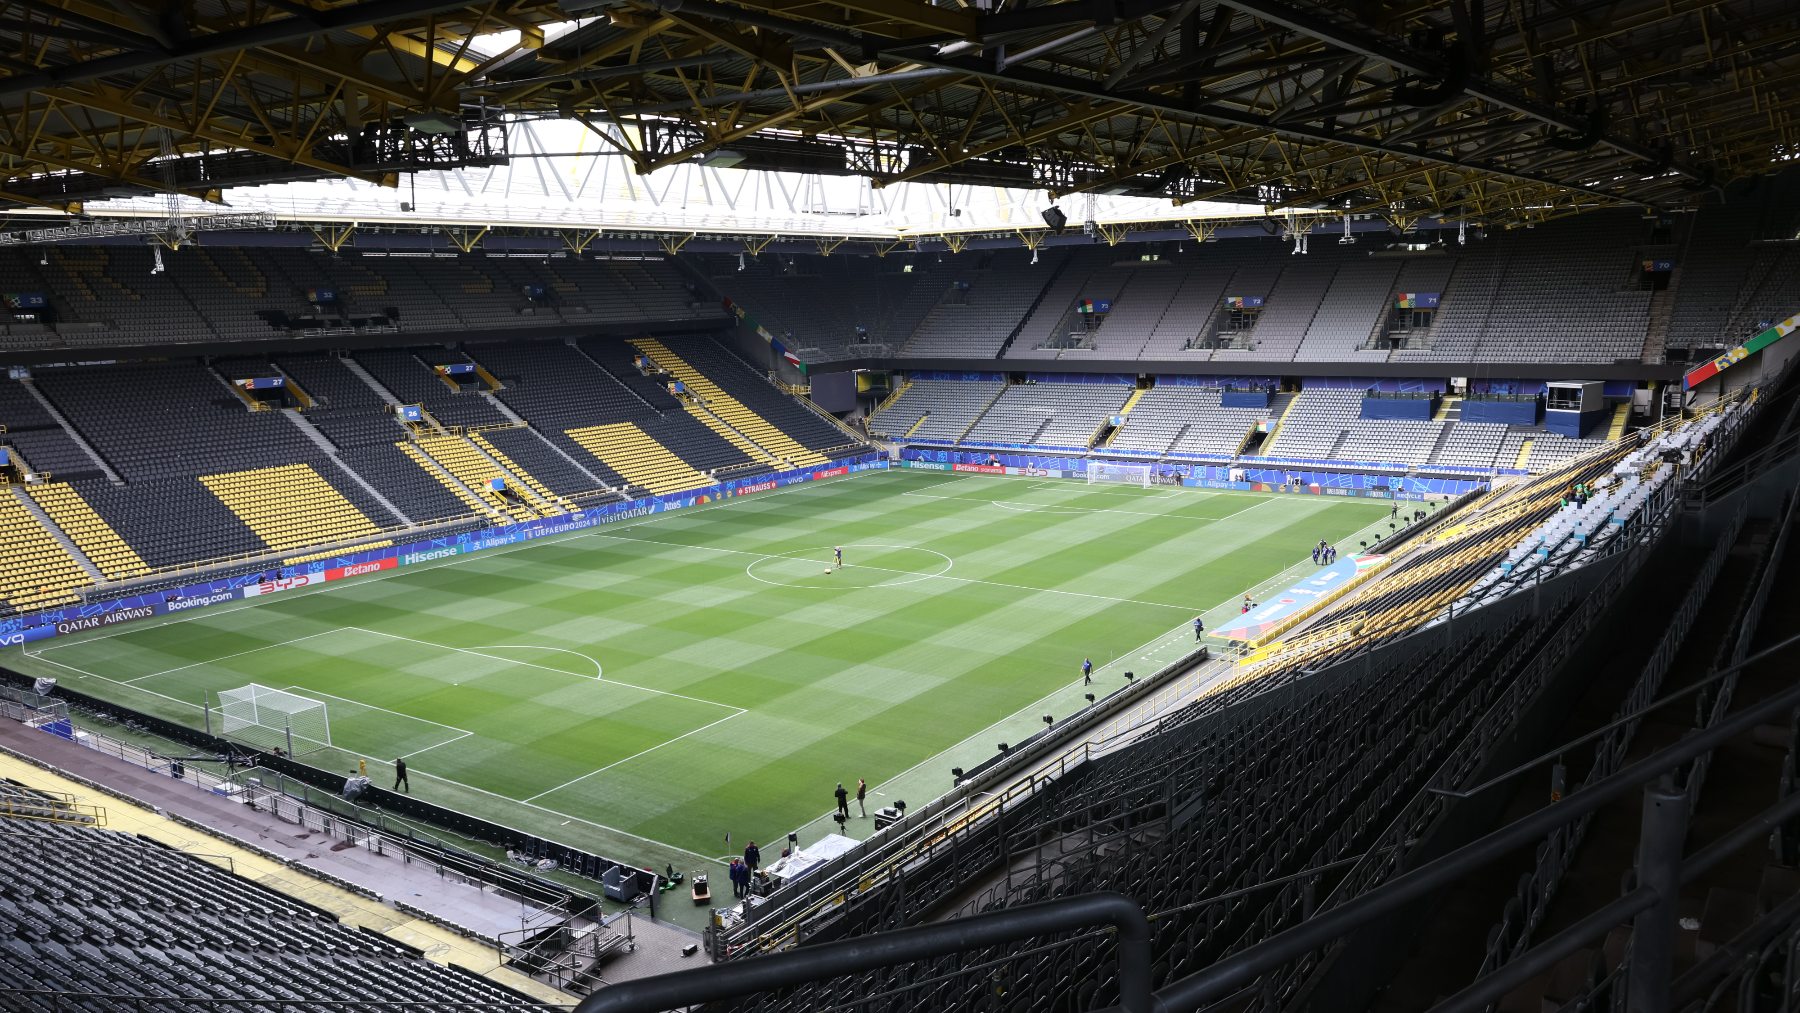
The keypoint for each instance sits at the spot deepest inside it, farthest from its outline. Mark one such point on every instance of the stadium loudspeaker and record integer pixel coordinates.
(1054, 217)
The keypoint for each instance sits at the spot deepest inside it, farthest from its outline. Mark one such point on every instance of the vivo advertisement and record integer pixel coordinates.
(98, 615)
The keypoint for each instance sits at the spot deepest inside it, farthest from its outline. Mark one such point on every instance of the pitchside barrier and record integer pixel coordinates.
(17, 687)
(26, 629)
(1302, 478)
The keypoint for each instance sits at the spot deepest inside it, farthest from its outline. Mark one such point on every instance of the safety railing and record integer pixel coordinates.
(80, 1002)
(940, 826)
(296, 802)
(120, 848)
(1649, 904)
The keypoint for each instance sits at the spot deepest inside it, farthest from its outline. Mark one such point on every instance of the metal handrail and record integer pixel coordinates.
(1241, 968)
(126, 843)
(182, 1002)
(722, 981)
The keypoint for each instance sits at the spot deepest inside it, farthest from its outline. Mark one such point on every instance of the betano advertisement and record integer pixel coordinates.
(83, 618)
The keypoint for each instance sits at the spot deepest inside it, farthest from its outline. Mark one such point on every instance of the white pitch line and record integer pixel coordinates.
(598, 671)
(462, 733)
(85, 673)
(209, 613)
(546, 668)
(376, 707)
(1027, 709)
(633, 756)
(931, 576)
(427, 749)
(228, 657)
(570, 817)
(566, 816)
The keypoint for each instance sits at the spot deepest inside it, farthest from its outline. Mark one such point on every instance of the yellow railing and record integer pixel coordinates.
(55, 807)
(833, 419)
(888, 402)
(1275, 430)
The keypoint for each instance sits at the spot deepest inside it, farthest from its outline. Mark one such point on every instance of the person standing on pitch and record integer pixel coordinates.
(1087, 671)
(400, 776)
(1199, 628)
(862, 789)
(843, 800)
(837, 553)
(752, 859)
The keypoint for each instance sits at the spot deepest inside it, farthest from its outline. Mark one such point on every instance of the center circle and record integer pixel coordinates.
(865, 565)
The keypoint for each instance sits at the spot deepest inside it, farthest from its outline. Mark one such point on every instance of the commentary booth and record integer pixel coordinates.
(1574, 407)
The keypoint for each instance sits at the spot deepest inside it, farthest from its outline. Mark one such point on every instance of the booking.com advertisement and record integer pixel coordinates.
(98, 615)
(1303, 481)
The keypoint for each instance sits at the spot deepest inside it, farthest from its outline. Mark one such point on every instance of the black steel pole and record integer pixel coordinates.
(1664, 829)
(814, 963)
(1239, 969)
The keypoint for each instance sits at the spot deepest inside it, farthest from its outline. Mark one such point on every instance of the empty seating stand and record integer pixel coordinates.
(642, 461)
(88, 530)
(1177, 419)
(35, 570)
(936, 410)
(796, 429)
(89, 910)
(1066, 415)
(742, 426)
(290, 506)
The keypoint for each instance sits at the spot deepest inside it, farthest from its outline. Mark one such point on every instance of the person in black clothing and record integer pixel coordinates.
(843, 800)
(862, 790)
(400, 776)
(1199, 628)
(752, 858)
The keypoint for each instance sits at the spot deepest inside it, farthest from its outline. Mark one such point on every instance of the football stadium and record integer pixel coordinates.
(732, 505)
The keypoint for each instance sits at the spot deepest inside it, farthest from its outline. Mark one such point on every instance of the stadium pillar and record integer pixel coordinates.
(1664, 829)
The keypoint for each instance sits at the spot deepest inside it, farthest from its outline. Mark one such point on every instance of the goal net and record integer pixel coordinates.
(1114, 472)
(272, 718)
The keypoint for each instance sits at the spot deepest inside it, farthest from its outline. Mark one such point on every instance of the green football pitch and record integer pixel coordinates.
(643, 689)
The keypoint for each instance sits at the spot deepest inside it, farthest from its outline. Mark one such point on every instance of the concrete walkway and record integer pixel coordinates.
(308, 864)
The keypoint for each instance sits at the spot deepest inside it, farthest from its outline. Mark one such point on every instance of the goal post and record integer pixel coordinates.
(271, 718)
(1118, 473)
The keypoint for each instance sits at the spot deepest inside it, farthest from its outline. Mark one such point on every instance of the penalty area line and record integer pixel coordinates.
(461, 733)
(546, 668)
(507, 799)
(633, 756)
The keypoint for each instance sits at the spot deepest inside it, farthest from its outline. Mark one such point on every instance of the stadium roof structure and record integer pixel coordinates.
(1467, 109)
(560, 179)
